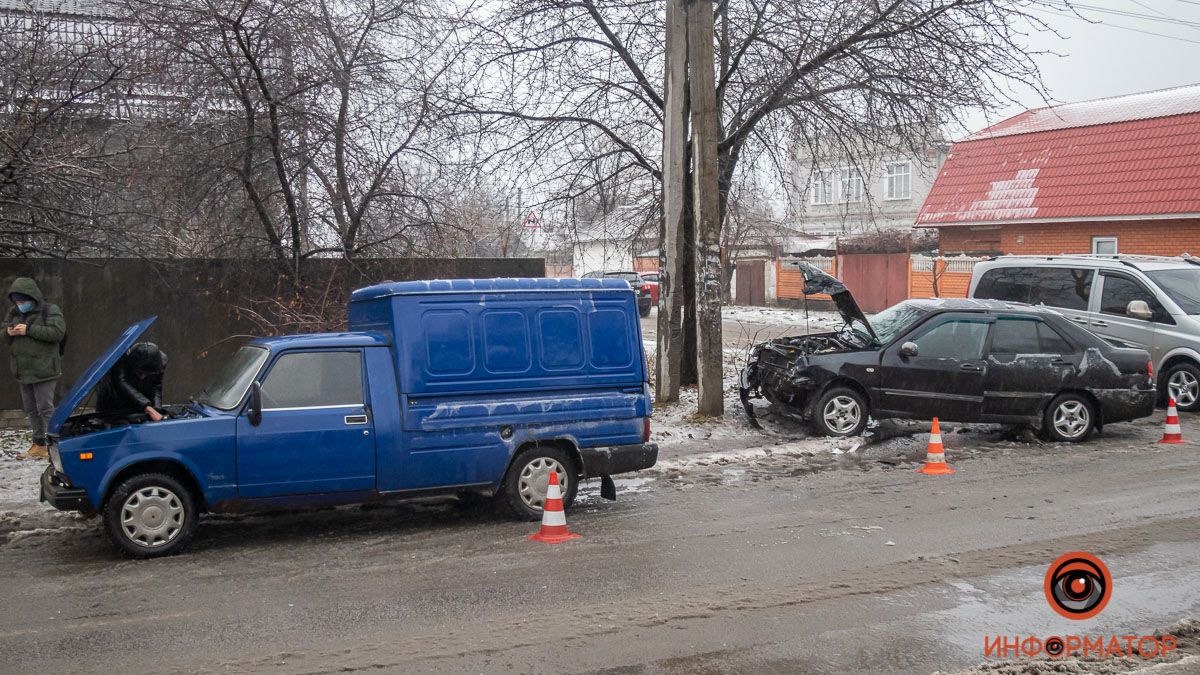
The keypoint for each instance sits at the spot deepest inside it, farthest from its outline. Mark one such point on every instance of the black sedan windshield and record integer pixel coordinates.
(895, 320)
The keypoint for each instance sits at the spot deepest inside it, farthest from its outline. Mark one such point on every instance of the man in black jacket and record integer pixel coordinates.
(134, 385)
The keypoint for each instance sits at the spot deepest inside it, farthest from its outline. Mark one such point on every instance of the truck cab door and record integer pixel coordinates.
(944, 378)
(315, 435)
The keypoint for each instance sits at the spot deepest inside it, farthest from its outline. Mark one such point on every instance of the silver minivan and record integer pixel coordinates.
(1151, 302)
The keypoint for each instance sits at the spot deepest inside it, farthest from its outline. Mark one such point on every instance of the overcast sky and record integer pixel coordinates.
(1111, 58)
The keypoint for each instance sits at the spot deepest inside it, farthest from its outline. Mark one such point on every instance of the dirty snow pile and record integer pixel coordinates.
(21, 514)
(779, 316)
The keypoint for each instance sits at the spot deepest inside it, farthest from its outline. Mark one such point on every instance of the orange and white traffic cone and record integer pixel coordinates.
(1171, 431)
(554, 519)
(935, 455)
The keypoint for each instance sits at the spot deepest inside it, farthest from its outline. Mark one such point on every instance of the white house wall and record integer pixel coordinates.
(875, 210)
(602, 256)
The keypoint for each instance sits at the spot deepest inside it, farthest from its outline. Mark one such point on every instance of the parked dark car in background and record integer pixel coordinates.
(644, 299)
(959, 360)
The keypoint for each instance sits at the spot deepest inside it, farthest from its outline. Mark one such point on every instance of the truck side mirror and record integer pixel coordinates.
(1139, 309)
(908, 350)
(254, 413)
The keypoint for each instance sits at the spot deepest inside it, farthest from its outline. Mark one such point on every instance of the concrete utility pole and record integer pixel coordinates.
(691, 96)
(670, 255)
(706, 208)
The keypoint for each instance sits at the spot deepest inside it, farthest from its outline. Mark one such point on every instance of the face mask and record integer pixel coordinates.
(26, 307)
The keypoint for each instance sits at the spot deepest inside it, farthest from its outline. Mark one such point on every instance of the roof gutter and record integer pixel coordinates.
(1071, 219)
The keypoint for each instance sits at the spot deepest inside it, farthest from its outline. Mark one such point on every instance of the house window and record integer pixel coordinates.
(899, 180)
(1104, 245)
(821, 190)
(851, 185)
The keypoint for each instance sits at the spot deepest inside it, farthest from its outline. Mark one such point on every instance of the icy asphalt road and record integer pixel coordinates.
(794, 561)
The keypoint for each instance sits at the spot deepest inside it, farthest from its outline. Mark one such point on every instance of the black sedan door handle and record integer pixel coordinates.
(973, 367)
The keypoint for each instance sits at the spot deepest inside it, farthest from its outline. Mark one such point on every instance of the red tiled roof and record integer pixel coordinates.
(1139, 168)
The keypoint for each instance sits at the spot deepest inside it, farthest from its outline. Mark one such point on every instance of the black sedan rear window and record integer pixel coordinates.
(1027, 336)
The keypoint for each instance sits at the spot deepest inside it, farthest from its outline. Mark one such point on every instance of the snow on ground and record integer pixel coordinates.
(779, 316)
(21, 513)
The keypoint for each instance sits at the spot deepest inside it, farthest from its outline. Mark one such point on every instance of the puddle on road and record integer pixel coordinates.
(1164, 588)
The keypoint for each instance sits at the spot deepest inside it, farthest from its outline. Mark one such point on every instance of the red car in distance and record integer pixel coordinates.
(650, 281)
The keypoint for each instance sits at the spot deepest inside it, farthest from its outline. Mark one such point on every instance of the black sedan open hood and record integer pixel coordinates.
(817, 281)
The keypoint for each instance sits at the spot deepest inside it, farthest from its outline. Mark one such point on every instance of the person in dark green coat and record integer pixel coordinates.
(34, 329)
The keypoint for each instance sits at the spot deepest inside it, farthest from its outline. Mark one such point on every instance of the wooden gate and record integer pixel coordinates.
(877, 280)
(751, 280)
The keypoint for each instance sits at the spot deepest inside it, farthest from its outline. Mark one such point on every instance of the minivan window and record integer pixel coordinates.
(1119, 291)
(1182, 286)
(1062, 287)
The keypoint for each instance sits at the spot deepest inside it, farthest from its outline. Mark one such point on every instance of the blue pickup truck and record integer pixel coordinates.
(468, 387)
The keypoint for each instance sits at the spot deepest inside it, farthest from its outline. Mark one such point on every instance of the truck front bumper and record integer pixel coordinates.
(59, 493)
(618, 459)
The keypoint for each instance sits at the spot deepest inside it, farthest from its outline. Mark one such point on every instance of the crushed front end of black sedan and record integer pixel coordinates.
(779, 370)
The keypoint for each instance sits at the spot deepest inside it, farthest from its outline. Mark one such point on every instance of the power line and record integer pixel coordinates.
(1116, 25)
(1065, 7)
(1139, 3)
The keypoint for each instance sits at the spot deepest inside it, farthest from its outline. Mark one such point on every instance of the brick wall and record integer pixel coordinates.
(1154, 237)
(13, 419)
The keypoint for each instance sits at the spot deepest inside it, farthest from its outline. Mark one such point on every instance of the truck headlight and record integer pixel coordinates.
(56, 458)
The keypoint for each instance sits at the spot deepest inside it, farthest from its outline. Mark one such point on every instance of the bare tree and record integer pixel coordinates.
(324, 113)
(557, 72)
(58, 148)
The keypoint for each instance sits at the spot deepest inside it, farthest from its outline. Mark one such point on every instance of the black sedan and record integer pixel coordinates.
(644, 299)
(959, 360)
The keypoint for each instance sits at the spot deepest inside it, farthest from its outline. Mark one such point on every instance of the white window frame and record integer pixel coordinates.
(820, 187)
(1097, 241)
(849, 177)
(892, 177)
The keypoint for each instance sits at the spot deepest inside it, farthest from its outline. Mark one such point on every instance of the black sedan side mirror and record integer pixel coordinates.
(254, 414)
(908, 350)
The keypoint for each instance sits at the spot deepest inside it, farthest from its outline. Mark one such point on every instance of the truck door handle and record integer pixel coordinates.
(1102, 324)
(973, 367)
(356, 419)
(1079, 319)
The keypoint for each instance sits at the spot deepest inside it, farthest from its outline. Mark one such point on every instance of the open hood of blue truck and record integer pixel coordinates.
(99, 368)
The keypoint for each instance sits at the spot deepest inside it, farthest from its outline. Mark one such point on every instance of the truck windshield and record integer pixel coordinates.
(1182, 286)
(229, 386)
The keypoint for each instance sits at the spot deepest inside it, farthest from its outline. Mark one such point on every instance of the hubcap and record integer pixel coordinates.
(535, 477)
(1071, 419)
(152, 517)
(1184, 388)
(842, 414)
